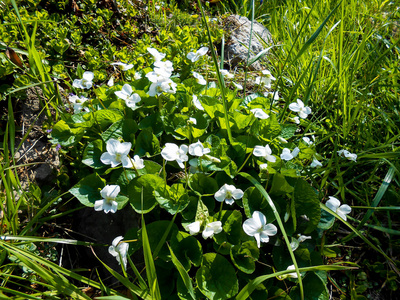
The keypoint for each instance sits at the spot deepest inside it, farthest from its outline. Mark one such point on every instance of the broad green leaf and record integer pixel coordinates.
(288, 130)
(147, 183)
(187, 249)
(65, 136)
(232, 226)
(173, 199)
(106, 117)
(92, 154)
(216, 277)
(244, 256)
(147, 144)
(203, 184)
(314, 288)
(280, 186)
(254, 201)
(87, 191)
(124, 129)
(307, 203)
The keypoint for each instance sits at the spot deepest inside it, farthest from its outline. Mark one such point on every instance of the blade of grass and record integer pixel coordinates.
(184, 274)
(251, 286)
(281, 226)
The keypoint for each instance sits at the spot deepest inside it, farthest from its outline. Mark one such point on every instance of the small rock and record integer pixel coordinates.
(236, 48)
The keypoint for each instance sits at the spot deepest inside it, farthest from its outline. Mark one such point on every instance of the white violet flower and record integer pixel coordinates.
(341, 210)
(211, 229)
(86, 82)
(266, 152)
(292, 275)
(228, 193)
(194, 56)
(110, 82)
(116, 154)
(238, 86)
(299, 107)
(196, 103)
(257, 226)
(347, 154)
(197, 149)
(259, 113)
(157, 55)
(119, 250)
(199, 78)
(265, 79)
(315, 163)
(127, 94)
(193, 228)
(77, 103)
(137, 76)
(301, 238)
(287, 155)
(226, 73)
(137, 162)
(172, 152)
(124, 67)
(108, 203)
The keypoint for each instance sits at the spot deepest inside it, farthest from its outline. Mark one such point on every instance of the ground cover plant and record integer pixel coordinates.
(278, 183)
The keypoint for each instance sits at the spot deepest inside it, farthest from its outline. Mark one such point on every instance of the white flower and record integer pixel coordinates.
(341, 210)
(292, 275)
(347, 154)
(77, 103)
(197, 103)
(263, 167)
(194, 56)
(111, 81)
(137, 76)
(257, 226)
(85, 82)
(228, 193)
(299, 107)
(172, 152)
(117, 153)
(226, 73)
(197, 149)
(274, 95)
(287, 155)
(282, 140)
(108, 203)
(124, 67)
(238, 86)
(163, 68)
(296, 120)
(308, 141)
(265, 152)
(315, 163)
(302, 238)
(199, 78)
(119, 250)
(192, 121)
(164, 86)
(211, 229)
(265, 79)
(137, 162)
(157, 55)
(193, 228)
(126, 93)
(259, 113)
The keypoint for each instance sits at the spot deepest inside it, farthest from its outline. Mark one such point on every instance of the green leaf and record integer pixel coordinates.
(244, 256)
(173, 199)
(280, 186)
(106, 117)
(92, 154)
(187, 249)
(64, 135)
(147, 183)
(254, 201)
(147, 144)
(307, 203)
(124, 129)
(87, 191)
(314, 288)
(216, 277)
(232, 228)
(203, 184)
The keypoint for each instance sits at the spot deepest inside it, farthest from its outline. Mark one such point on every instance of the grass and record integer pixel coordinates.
(341, 59)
